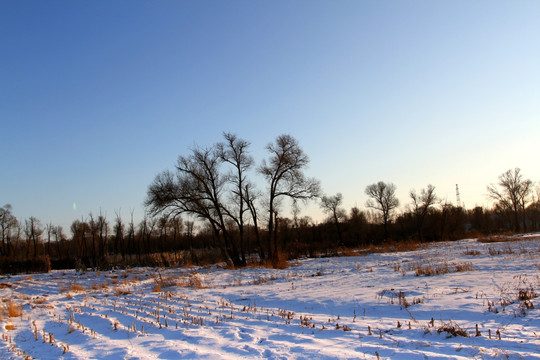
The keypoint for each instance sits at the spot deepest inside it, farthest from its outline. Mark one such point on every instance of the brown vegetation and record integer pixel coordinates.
(439, 269)
(453, 329)
(13, 309)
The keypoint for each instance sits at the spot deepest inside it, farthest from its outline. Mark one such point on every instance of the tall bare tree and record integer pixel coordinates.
(284, 171)
(382, 198)
(119, 230)
(49, 228)
(103, 227)
(135, 247)
(8, 222)
(33, 231)
(94, 234)
(176, 225)
(234, 151)
(251, 196)
(79, 229)
(512, 194)
(198, 189)
(421, 204)
(330, 204)
(60, 239)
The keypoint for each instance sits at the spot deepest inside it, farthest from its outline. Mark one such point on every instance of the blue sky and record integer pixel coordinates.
(97, 97)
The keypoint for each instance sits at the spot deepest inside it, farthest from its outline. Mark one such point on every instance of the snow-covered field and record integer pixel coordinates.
(366, 307)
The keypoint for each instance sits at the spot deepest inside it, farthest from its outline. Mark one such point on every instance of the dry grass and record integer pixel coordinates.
(76, 287)
(507, 250)
(119, 292)
(504, 237)
(348, 252)
(14, 310)
(5, 285)
(39, 301)
(472, 252)
(101, 286)
(10, 327)
(192, 280)
(279, 262)
(439, 269)
(395, 246)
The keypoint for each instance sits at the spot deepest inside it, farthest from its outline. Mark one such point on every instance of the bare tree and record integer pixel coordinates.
(119, 230)
(382, 198)
(135, 248)
(421, 204)
(234, 151)
(33, 232)
(251, 195)
(103, 227)
(330, 204)
(512, 194)
(49, 228)
(60, 239)
(163, 227)
(176, 225)
(8, 222)
(190, 231)
(199, 189)
(79, 229)
(94, 234)
(284, 172)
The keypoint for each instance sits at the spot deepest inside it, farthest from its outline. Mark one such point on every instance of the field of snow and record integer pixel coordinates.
(457, 300)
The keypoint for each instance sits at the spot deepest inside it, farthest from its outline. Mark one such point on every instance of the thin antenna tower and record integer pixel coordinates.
(458, 200)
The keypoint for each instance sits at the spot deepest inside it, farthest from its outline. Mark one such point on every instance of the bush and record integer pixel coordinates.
(452, 329)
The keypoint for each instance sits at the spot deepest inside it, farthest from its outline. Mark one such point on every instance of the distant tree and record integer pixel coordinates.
(33, 231)
(382, 198)
(60, 239)
(284, 172)
(103, 230)
(330, 204)
(119, 230)
(358, 223)
(190, 234)
(420, 206)
(8, 222)
(163, 226)
(79, 229)
(512, 194)
(49, 228)
(141, 236)
(94, 234)
(177, 227)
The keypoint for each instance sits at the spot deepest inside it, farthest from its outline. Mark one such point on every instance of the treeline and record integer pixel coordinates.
(235, 222)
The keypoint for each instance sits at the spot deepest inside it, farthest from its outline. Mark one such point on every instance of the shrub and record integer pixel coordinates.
(14, 310)
(452, 329)
(526, 294)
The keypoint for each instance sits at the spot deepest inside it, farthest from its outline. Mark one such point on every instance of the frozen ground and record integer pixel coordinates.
(364, 307)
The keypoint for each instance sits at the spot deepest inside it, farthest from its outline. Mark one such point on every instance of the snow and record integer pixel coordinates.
(316, 309)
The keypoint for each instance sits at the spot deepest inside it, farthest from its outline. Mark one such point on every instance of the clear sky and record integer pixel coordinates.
(97, 97)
